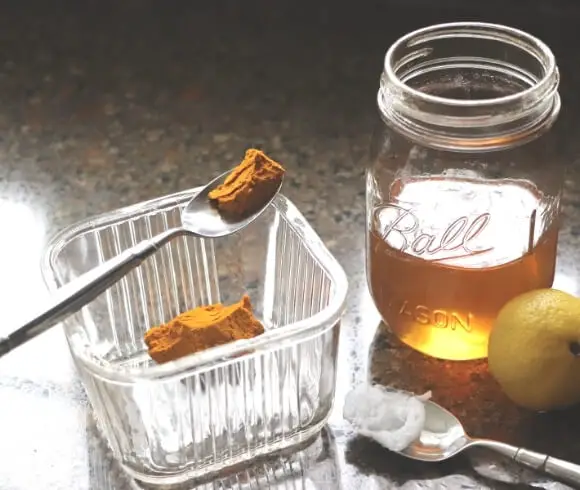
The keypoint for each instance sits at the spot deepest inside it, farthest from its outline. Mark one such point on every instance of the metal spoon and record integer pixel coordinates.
(443, 437)
(198, 219)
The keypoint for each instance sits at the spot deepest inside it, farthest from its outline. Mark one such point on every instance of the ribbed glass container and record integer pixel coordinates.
(207, 412)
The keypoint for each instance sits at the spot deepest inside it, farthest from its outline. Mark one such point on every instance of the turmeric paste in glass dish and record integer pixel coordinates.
(252, 183)
(201, 328)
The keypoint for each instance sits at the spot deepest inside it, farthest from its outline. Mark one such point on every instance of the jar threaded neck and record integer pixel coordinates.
(469, 85)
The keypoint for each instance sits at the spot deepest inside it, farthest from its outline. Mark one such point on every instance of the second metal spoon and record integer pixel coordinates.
(199, 218)
(443, 437)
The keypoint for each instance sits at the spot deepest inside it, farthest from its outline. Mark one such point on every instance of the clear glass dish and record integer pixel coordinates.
(225, 406)
(312, 466)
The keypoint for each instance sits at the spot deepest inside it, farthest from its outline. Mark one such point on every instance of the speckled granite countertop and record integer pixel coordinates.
(104, 104)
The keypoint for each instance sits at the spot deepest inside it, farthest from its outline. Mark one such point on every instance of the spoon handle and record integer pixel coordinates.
(71, 297)
(558, 468)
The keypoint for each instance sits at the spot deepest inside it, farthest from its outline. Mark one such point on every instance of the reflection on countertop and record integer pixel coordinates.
(105, 104)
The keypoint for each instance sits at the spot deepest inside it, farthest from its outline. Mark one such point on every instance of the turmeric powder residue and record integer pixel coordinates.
(249, 186)
(202, 328)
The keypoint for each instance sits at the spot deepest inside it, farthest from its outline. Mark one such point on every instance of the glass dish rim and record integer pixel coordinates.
(221, 355)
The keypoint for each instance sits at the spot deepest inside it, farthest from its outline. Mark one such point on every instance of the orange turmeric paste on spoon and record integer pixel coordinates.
(249, 186)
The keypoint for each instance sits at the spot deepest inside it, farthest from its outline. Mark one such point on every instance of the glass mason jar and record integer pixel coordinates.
(464, 183)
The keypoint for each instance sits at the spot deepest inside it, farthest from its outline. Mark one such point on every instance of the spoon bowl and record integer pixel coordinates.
(443, 437)
(202, 219)
(199, 218)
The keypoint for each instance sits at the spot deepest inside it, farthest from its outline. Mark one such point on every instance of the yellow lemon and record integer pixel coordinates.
(534, 347)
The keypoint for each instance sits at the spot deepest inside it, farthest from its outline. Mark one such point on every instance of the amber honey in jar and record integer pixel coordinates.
(464, 183)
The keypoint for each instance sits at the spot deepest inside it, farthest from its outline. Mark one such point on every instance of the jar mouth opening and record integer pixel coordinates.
(542, 83)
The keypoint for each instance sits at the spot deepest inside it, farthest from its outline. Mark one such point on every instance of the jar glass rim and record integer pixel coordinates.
(505, 33)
